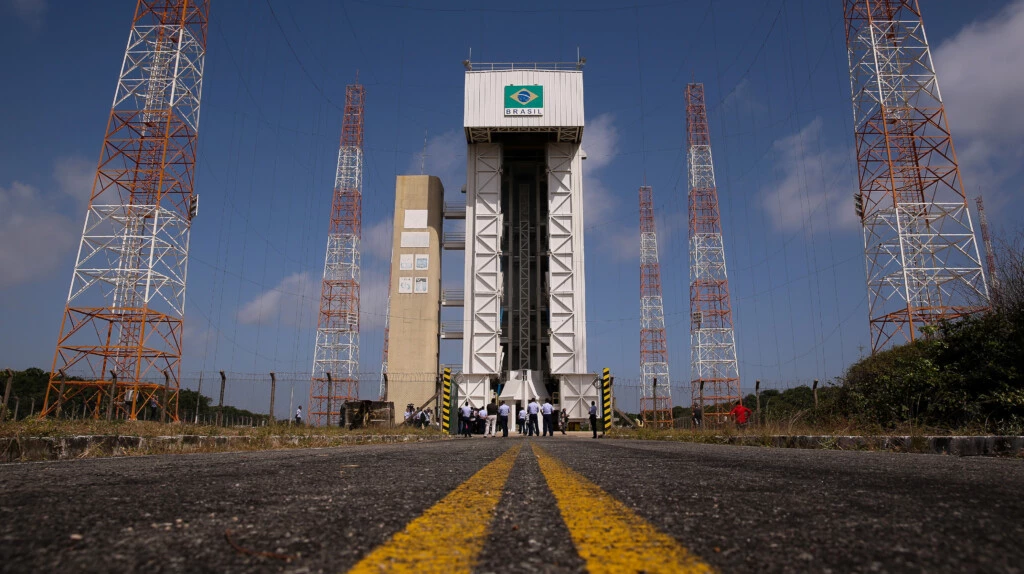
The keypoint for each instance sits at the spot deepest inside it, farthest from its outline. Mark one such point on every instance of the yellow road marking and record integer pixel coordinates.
(608, 535)
(442, 539)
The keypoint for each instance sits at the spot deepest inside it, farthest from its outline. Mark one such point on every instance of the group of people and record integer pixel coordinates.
(418, 418)
(534, 419)
(552, 419)
(740, 415)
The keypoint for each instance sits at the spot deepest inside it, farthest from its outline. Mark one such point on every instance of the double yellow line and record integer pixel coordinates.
(607, 534)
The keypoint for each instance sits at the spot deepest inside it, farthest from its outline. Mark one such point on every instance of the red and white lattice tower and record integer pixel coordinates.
(656, 388)
(714, 371)
(382, 394)
(990, 255)
(922, 259)
(336, 357)
(121, 334)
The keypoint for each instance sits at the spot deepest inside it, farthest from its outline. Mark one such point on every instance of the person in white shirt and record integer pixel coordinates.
(548, 410)
(466, 411)
(298, 415)
(481, 415)
(503, 412)
(522, 421)
(532, 409)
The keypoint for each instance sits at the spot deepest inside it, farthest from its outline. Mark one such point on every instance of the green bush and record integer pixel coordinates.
(967, 374)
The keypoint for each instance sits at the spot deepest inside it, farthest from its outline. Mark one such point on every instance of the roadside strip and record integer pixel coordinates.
(608, 535)
(440, 539)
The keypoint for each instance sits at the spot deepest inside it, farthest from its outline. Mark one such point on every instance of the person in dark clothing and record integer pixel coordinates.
(698, 416)
(563, 421)
(593, 417)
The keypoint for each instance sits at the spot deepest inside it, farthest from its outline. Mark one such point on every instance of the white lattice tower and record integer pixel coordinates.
(656, 386)
(922, 259)
(714, 371)
(121, 335)
(336, 356)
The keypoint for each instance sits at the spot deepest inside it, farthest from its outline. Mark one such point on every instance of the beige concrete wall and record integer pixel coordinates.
(415, 317)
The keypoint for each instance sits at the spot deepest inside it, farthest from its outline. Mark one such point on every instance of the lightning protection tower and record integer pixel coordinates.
(656, 399)
(921, 256)
(121, 335)
(714, 372)
(990, 254)
(336, 357)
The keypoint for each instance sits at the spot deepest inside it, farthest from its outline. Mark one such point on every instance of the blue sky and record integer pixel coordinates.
(776, 77)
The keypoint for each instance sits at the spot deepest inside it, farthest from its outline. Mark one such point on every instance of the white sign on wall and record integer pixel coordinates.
(422, 262)
(415, 239)
(405, 262)
(405, 284)
(421, 284)
(415, 218)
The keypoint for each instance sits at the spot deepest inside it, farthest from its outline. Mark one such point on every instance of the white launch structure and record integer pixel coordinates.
(525, 307)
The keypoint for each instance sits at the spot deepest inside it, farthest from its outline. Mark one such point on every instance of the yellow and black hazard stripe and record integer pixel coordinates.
(446, 401)
(606, 398)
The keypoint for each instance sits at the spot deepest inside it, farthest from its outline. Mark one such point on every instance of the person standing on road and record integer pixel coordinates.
(548, 411)
(466, 416)
(492, 416)
(531, 410)
(503, 412)
(740, 414)
(593, 417)
(298, 416)
(563, 421)
(481, 417)
(522, 421)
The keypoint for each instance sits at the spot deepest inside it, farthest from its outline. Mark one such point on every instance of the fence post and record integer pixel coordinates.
(220, 405)
(273, 388)
(199, 398)
(113, 394)
(757, 397)
(330, 394)
(60, 397)
(291, 403)
(7, 394)
(32, 406)
(163, 403)
(814, 389)
(17, 403)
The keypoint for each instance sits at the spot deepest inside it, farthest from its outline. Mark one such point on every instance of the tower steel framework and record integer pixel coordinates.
(714, 372)
(121, 334)
(920, 251)
(336, 357)
(656, 387)
(990, 254)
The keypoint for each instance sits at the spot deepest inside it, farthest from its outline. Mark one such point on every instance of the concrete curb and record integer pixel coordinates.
(25, 449)
(953, 445)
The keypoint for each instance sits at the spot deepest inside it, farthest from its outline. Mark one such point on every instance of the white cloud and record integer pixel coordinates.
(295, 300)
(30, 11)
(38, 229)
(600, 204)
(34, 238)
(600, 141)
(982, 87)
(376, 241)
(445, 158)
(373, 299)
(812, 180)
(74, 176)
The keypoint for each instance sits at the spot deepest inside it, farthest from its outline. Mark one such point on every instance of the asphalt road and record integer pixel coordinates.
(735, 509)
